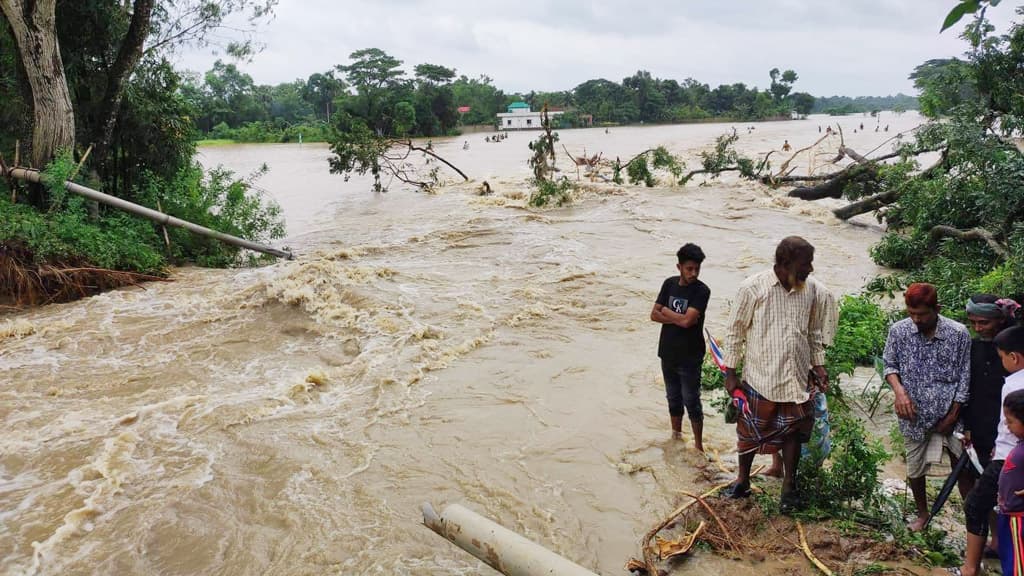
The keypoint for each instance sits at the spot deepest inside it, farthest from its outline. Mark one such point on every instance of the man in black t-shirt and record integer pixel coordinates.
(680, 310)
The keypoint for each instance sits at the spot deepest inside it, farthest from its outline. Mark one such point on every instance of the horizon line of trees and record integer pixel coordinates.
(376, 88)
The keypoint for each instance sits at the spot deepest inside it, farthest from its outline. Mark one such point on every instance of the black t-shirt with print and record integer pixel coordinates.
(683, 344)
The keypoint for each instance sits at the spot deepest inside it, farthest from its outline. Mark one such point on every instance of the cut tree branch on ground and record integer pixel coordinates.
(941, 231)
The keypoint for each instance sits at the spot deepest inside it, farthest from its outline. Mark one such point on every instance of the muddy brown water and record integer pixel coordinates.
(444, 348)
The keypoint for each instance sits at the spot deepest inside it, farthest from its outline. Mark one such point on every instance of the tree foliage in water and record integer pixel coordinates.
(640, 168)
(546, 189)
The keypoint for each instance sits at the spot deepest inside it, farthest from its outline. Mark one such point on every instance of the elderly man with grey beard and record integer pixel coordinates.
(780, 324)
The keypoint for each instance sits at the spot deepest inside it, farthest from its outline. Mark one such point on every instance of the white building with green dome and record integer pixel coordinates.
(519, 117)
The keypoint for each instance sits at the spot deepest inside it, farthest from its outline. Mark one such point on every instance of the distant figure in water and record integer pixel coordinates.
(828, 129)
(487, 138)
(465, 145)
(854, 130)
(861, 126)
(876, 128)
(786, 147)
(485, 189)
(606, 131)
(819, 128)
(430, 144)
(886, 127)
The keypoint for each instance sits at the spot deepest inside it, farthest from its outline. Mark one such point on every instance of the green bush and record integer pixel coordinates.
(216, 200)
(557, 192)
(860, 335)
(65, 234)
(850, 478)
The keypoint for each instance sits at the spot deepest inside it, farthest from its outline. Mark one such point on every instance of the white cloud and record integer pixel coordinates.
(866, 47)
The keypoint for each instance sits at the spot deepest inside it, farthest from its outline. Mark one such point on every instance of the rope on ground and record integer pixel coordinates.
(807, 550)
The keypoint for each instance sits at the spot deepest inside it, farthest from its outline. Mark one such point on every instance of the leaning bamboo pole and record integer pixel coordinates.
(31, 175)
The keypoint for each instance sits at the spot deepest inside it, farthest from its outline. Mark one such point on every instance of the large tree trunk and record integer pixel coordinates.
(117, 77)
(35, 31)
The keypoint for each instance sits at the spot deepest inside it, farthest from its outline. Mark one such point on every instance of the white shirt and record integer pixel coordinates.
(1005, 440)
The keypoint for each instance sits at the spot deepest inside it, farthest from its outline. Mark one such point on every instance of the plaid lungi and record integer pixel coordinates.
(769, 423)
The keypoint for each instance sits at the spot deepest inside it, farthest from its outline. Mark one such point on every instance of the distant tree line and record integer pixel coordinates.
(374, 88)
(847, 105)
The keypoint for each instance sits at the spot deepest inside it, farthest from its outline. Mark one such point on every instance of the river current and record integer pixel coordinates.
(442, 347)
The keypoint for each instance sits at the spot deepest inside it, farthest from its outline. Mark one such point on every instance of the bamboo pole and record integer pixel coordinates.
(30, 175)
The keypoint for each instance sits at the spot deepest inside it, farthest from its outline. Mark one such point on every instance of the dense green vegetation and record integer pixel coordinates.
(129, 131)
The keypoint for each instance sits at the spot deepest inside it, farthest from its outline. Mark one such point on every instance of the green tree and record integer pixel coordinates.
(433, 74)
(114, 36)
(405, 118)
(957, 223)
(483, 99)
(320, 92)
(802, 102)
(378, 80)
(232, 96)
(781, 84)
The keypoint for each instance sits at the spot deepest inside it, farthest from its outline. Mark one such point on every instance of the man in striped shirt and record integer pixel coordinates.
(780, 323)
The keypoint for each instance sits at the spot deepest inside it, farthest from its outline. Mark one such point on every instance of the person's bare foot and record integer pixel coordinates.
(962, 571)
(774, 471)
(917, 525)
(677, 435)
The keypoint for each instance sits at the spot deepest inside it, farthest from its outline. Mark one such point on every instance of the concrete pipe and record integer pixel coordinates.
(501, 548)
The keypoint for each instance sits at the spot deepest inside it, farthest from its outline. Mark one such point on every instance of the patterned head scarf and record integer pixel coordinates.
(1004, 309)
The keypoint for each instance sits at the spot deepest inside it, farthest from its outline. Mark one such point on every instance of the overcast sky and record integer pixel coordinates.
(845, 47)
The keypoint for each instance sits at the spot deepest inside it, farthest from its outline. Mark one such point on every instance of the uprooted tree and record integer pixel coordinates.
(951, 191)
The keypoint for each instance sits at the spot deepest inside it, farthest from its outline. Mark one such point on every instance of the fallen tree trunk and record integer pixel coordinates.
(693, 173)
(852, 154)
(833, 188)
(865, 205)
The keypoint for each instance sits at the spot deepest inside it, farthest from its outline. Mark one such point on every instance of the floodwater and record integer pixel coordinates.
(422, 347)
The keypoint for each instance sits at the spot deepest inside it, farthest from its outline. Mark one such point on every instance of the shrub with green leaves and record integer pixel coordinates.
(217, 200)
(557, 192)
(860, 335)
(66, 234)
(850, 476)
